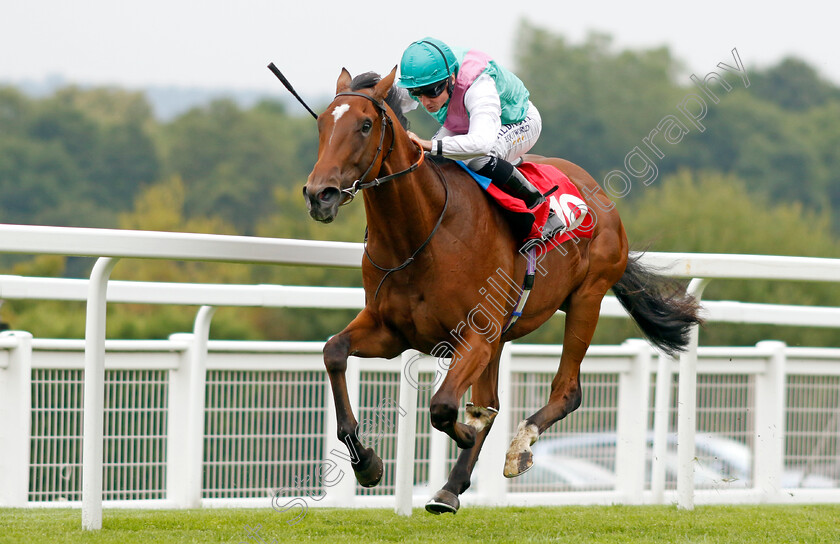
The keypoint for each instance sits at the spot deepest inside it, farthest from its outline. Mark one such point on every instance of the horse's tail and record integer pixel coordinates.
(661, 307)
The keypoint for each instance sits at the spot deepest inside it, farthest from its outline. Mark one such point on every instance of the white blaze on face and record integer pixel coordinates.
(337, 112)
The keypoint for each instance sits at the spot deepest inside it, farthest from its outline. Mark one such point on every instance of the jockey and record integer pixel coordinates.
(487, 119)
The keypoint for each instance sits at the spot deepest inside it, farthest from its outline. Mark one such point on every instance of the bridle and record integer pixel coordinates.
(359, 184)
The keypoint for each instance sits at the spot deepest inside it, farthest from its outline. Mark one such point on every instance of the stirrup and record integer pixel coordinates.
(553, 226)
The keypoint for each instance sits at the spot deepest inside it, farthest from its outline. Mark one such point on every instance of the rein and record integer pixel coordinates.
(414, 255)
(359, 184)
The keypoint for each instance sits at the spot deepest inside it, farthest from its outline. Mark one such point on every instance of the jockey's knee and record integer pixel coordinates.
(478, 163)
(498, 170)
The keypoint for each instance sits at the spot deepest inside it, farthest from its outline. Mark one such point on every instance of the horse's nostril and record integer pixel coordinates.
(328, 195)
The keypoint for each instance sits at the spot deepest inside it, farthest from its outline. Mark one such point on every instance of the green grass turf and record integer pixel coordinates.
(580, 525)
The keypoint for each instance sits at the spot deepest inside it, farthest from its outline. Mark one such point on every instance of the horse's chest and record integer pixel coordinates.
(413, 314)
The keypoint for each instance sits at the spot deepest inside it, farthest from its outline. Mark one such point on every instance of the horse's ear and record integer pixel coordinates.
(384, 85)
(344, 80)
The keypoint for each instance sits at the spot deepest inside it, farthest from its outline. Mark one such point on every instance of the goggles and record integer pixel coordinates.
(430, 91)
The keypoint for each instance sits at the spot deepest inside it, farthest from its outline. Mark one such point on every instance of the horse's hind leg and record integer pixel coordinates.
(565, 397)
(480, 415)
(364, 337)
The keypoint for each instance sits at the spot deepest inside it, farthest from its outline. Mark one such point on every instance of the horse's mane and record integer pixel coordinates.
(367, 81)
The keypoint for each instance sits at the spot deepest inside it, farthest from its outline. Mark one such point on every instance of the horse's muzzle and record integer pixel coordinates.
(323, 203)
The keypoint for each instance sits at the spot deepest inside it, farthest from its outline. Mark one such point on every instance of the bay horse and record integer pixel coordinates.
(434, 239)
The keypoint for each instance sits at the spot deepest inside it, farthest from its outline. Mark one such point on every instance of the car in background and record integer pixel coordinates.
(720, 462)
(553, 474)
(562, 473)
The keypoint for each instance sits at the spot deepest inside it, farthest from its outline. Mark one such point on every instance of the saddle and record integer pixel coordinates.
(562, 197)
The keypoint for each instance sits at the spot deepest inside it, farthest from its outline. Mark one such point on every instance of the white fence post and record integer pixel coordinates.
(631, 439)
(770, 423)
(661, 417)
(438, 440)
(687, 409)
(94, 403)
(176, 424)
(15, 420)
(343, 492)
(489, 471)
(197, 392)
(406, 432)
(186, 414)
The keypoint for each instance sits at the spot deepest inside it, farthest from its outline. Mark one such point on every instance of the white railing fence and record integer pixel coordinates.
(185, 389)
(266, 424)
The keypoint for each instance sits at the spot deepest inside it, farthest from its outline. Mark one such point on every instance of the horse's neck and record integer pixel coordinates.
(402, 212)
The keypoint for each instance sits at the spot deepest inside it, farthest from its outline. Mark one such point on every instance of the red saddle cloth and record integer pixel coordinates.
(527, 224)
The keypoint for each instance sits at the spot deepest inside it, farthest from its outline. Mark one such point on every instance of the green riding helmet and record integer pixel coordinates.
(425, 62)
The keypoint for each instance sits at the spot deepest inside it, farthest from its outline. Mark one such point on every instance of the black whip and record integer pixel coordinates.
(291, 89)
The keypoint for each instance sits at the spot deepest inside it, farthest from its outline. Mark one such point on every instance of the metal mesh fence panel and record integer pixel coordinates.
(135, 435)
(264, 433)
(577, 453)
(812, 438)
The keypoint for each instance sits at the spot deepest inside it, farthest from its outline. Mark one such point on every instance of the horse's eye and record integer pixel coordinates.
(366, 126)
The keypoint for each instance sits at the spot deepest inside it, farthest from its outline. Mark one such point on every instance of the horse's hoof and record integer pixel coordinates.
(443, 502)
(479, 418)
(371, 475)
(517, 465)
(519, 458)
(464, 436)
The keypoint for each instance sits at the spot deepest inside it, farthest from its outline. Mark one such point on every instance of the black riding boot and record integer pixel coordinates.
(507, 178)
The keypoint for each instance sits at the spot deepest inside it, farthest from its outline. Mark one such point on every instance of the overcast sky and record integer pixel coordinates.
(227, 44)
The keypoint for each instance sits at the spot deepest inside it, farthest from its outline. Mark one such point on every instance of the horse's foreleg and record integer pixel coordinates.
(565, 396)
(480, 415)
(468, 362)
(364, 337)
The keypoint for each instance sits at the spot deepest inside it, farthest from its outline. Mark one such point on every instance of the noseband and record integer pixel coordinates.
(360, 184)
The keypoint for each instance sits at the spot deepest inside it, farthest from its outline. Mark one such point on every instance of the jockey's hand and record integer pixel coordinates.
(425, 144)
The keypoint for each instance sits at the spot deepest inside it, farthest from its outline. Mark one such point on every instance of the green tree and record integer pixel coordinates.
(35, 178)
(294, 222)
(98, 157)
(793, 84)
(160, 207)
(232, 160)
(599, 104)
(108, 105)
(75, 158)
(44, 319)
(124, 156)
(820, 132)
(709, 212)
(596, 104)
(763, 145)
(15, 110)
(713, 213)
